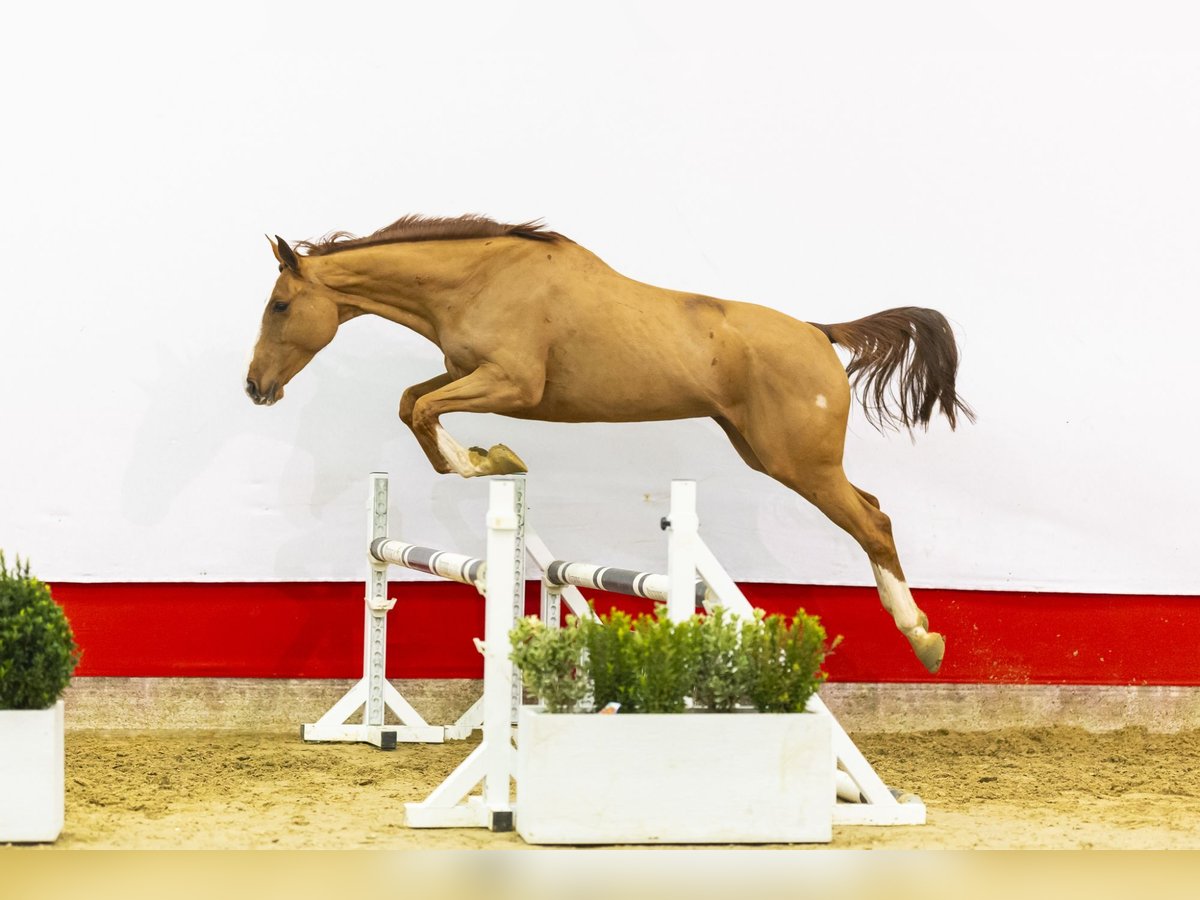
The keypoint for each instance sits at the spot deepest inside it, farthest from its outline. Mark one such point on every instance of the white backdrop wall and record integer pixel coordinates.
(1028, 169)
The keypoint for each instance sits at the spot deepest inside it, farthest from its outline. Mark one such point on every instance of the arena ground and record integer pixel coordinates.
(1046, 787)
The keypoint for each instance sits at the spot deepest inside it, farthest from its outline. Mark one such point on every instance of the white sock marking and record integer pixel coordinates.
(455, 453)
(897, 599)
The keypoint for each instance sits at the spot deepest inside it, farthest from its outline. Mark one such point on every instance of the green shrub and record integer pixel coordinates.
(718, 683)
(782, 662)
(549, 660)
(37, 649)
(611, 662)
(663, 662)
(652, 665)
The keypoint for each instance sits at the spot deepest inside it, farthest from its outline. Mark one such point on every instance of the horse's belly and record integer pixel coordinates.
(625, 391)
(615, 410)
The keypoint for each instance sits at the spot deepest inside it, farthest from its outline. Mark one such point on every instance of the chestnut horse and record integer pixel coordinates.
(534, 326)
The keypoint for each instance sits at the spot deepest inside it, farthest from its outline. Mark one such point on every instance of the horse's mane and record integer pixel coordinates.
(428, 228)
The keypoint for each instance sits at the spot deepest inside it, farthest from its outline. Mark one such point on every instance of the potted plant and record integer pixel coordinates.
(709, 743)
(37, 656)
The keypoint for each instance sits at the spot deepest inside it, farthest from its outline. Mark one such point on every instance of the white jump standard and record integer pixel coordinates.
(491, 764)
(373, 691)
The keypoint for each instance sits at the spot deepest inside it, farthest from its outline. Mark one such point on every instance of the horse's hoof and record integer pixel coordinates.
(930, 647)
(505, 462)
(500, 460)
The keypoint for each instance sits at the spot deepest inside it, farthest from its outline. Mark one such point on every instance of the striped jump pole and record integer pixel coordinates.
(647, 585)
(684, 589)
(442, 563)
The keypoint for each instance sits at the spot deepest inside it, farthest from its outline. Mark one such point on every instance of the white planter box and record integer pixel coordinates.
(31, 774)
(692, 778)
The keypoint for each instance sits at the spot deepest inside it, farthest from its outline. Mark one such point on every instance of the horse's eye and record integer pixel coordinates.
(279, 306)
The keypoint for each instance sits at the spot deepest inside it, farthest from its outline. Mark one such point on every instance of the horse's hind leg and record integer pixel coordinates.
(745, 451)
(870, 498)
(851, 509)
(814, 470)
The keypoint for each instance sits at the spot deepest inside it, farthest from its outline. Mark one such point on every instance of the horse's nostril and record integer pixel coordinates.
(252, 388)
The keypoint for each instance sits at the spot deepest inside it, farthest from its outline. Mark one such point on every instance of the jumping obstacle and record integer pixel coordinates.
(694, 578)
(373, 692)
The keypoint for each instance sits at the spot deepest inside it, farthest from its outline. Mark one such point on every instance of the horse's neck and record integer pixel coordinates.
(416, 284)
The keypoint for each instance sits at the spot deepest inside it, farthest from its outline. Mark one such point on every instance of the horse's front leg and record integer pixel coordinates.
(488, 389)
(407, 401)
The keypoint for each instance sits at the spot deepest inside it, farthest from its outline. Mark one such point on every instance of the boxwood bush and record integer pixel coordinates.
(37, 649)
(549, 662)
(780, 661)
(650, 664)
(645, 664)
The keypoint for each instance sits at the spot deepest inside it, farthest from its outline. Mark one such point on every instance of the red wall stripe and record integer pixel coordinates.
(314, 630)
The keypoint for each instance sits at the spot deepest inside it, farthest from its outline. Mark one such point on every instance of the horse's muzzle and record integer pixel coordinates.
(260, 397)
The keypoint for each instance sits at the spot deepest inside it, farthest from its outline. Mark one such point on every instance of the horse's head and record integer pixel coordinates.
(301, 317)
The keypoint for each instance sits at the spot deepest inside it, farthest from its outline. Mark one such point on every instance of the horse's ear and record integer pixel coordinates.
(285, 254)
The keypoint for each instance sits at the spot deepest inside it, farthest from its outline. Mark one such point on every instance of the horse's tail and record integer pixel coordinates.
(915, 347)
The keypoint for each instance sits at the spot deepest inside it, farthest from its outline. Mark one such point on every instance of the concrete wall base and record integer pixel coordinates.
(983, 707)
(264, 704)
(254, 704)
